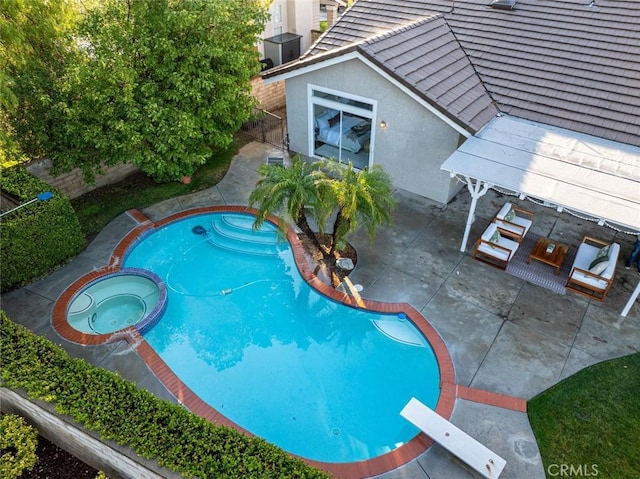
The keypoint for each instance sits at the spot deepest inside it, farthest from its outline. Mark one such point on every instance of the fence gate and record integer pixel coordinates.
(267, 128)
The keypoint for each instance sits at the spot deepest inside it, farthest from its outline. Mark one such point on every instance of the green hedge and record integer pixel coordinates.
(116, 409)
(37, 237)
(18, 442)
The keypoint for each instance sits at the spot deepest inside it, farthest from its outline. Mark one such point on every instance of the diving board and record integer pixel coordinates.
(456, 441)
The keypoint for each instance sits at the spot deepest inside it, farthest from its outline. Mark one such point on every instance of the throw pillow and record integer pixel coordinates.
(510, 216)
(603, 252)
(597, 261)
(323, 124)
(599, 268)
(495, 237)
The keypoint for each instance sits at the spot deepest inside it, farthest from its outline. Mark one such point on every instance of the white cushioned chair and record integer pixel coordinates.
(593, 278)
(516, 224)
(498, 253)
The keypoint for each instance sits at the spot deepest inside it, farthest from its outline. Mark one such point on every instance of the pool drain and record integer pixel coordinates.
(335, 431)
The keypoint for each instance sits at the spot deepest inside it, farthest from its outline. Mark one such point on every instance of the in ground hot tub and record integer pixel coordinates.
(116, 301)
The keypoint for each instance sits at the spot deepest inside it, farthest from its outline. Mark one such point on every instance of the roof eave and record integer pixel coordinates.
(305, 65)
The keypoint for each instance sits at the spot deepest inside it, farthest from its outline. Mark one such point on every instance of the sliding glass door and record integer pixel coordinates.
(342, 127)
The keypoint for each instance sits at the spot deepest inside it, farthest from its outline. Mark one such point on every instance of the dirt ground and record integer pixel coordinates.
(56, 463)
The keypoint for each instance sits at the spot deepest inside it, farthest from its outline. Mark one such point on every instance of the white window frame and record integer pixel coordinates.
(342, 107)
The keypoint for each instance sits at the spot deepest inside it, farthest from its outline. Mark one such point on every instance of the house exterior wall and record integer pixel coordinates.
(304, 15)
(298, 16)
(412, 146)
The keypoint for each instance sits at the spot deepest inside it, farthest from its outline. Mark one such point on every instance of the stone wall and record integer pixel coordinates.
(72, 184)
(107, 456)
(271, 96)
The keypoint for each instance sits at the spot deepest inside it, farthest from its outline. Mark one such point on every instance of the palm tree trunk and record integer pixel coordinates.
(303, 224)
(334, 235)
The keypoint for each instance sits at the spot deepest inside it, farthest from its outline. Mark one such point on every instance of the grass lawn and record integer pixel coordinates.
(591, 421)
(97, 208)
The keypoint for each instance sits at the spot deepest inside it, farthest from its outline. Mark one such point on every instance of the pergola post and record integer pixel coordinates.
(477, 190)
(632, 300)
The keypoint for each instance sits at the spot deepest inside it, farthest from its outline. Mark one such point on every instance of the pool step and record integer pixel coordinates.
(235, 233)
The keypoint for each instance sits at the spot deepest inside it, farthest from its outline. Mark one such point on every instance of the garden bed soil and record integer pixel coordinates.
(56, 463)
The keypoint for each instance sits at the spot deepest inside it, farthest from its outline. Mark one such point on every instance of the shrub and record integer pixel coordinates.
(116, 409)
(37, 237)
(18, 441)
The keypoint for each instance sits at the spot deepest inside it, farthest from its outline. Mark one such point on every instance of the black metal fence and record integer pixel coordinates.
(267, 128)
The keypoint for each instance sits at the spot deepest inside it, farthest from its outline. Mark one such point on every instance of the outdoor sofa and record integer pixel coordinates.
(593, 269)
(513, 222)
(495, 249)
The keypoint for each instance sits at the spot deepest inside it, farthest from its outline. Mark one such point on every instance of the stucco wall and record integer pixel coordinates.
(298, 16)
(412, 147)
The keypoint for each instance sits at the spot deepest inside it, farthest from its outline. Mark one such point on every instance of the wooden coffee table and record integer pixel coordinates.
(541, 252)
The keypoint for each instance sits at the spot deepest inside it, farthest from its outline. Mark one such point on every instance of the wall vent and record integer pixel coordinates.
(503, 4)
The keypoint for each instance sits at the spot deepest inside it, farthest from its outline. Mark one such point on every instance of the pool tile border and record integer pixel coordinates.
(492, 399)
(372, 467)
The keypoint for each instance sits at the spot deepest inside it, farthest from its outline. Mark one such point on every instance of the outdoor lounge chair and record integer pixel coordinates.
(593, 269)
(456, 441)
(513, 222)
(494, 249)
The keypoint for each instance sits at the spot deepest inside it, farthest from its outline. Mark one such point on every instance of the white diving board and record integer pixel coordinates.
(456, 441)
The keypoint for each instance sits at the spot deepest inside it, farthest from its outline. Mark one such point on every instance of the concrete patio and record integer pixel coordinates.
(505, 335)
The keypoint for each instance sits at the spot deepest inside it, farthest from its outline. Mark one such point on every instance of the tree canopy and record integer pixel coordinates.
(160, 84)
(288, 192)
(361, 198)
(35, 43)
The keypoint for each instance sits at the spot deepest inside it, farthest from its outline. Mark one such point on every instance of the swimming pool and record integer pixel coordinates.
(270, 349)
(251, 338)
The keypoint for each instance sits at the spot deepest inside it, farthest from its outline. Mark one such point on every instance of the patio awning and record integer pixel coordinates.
(587, 175)
(584, 174)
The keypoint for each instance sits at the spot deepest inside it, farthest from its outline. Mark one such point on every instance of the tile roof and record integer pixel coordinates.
(427, 59)
(574, 64)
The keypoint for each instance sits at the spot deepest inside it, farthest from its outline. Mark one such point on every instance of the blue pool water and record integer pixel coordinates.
(248, 335)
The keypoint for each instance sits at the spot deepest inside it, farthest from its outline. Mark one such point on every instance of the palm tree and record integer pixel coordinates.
(363, 198)
(289, 191)
(324, 188)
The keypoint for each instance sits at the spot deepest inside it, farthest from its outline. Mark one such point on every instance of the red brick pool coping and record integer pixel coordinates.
(378, 465)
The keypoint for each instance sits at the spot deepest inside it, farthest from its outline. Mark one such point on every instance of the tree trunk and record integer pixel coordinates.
(334, 235)
(328, 258)
(303, 224)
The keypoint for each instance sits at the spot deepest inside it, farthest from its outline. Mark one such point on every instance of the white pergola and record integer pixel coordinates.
(589, 176)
